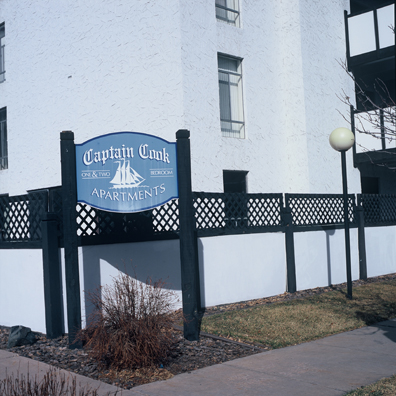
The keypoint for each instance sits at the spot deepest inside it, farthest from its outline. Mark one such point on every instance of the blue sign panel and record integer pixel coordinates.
(126, 172)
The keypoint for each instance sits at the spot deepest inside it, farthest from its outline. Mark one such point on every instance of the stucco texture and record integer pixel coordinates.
(151, 67)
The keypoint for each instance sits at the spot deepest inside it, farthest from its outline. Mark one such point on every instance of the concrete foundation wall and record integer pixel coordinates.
(380, 250)
(320, 258)
(241, 267)
(22, 289)
(232, 268)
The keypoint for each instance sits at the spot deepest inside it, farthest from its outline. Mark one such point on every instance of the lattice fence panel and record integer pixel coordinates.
(378, 209)
(136, 223)
(149, 223)
(319, 209)
(55, 204)
(236, 211)
(209, 211)
(92, 222)
(38, 205)
(265, 211)
(20, 217)
(166, 217)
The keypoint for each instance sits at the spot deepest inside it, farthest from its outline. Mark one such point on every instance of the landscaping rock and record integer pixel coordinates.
(21, 335)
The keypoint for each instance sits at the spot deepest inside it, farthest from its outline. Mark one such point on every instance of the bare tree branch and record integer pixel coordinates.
(375, 117)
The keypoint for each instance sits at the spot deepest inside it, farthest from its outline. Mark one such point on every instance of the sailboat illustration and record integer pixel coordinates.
(126, 177)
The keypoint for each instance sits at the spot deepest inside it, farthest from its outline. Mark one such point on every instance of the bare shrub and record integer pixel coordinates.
(131, 325)
(53, 384)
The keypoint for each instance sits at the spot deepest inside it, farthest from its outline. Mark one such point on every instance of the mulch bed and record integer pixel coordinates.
(185, 356)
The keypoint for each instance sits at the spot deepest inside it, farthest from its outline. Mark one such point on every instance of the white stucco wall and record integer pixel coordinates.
(152, 67)
(290, 81)
(92, 70)
(241, 267)
(380, 250)
(320, 258)
(22, 289)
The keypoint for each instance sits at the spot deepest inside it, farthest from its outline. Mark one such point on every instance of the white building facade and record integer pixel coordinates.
(156, 67)
(258, 85)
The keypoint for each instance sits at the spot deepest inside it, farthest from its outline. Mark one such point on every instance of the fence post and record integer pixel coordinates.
(287, 222)
(69, 196)
(52, 276)
(361, 243)
(188, 241)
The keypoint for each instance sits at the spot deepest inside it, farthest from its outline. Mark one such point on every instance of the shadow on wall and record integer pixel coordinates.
(329, 233)
(155, 260)
(201, 272)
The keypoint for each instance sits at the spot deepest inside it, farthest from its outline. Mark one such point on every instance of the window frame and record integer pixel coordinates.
(3, 139)
(2, 46)
(234, 101)
(229, 10)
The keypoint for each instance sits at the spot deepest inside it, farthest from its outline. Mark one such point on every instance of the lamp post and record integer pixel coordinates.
(342, 139)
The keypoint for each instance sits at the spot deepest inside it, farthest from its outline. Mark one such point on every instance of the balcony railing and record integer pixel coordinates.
(375, 136)
(370, 31)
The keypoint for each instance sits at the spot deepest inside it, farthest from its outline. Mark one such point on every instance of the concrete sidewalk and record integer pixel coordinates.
(327, 367)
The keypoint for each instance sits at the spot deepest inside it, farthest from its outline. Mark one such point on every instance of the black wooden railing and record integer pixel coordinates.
(215, 214)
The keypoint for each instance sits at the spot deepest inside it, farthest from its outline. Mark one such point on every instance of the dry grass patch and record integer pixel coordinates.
(293, 322)
(53, 383)
(384, 387)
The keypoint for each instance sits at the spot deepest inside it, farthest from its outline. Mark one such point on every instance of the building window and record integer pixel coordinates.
(3, 139)
(228, 11)
(230, 92)
(2, 69)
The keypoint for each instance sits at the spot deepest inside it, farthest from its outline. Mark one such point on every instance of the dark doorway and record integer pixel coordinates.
(234, 181)
(235, 210)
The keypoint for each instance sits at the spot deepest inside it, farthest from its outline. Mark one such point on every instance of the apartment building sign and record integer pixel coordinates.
(126, 172)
